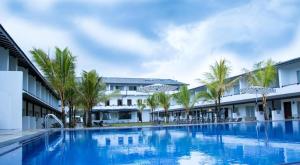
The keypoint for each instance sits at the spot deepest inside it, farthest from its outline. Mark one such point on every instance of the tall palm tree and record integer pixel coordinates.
(72, 100)
(219, 76)
(210, 94)
(264, 75)
(152, 102)
(184, 98)
(59, 71)
(141, 106)
(92, 91)
(164, 102)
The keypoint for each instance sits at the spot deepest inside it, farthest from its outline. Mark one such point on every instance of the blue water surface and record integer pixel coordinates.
(244, 143)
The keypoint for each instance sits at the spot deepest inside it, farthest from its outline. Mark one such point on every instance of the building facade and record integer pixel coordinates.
(283, 104)
(25, 95)
(123, 107)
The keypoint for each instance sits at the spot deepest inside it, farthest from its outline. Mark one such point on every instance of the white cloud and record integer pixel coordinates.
(115, 38)
(182, 52)
(197, 45)
(28, 35)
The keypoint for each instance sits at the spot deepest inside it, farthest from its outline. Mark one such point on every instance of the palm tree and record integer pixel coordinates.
(152, 102)
(210, 94)
(164, 102)
(72, 100)
(92, 91)
(264, 75)
(219, 76)
(184, 98)
(59, 71)
(141, 106)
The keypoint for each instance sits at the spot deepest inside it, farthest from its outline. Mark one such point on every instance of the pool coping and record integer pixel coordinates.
(173, 125)
(19, 137)
(35, 133)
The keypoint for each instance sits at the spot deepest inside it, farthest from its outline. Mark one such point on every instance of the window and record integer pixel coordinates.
(298, 76)
(105, 116)
(129, 102)
(121, 88)
(124, 115)
(250, 112)
(24, 108)
(132, 88)
(298, 110)
(260, 108)
(236, 89)
(111, 88)
(120, 102)
(107, 103)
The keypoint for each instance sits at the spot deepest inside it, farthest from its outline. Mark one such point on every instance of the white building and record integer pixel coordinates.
(283, 104)
(25, 95)
(123, 108)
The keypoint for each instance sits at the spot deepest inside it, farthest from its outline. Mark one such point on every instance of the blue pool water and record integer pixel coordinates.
(252, 143)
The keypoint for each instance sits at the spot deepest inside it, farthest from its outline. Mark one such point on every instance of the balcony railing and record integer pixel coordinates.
(290, 84)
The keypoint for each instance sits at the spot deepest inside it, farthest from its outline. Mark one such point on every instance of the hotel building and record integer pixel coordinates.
(25, 95)
(123, 107)
(283, 104)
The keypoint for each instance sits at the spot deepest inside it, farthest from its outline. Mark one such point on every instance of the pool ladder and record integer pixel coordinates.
(55, 118)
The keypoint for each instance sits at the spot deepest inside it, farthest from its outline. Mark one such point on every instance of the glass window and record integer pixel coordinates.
(129, 102)
(236, 89)
(105, 116)
(250, 112)
(132, 88)
(24, 108)
(260, 108)
(120, 102)
(298, 76)
(107, 103)
(121, 88)
(124, 115)
(298, 110)
(111, 88)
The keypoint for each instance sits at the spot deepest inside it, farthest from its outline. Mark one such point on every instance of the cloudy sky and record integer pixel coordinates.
(175, 39)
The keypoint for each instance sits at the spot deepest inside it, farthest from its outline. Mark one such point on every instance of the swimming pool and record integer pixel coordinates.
(245, 143)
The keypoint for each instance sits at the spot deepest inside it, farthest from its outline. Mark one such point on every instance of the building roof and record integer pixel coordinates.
(7, 42)
(140, 81)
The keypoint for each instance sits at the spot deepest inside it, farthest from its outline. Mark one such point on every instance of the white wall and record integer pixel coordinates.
(146, 115)
(11, 99)
(25, 77)
(288, 74)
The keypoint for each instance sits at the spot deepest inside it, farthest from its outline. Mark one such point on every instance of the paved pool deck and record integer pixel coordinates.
(8, 137)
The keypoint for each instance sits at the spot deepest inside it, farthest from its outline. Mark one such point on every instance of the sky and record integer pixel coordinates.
(175, 39)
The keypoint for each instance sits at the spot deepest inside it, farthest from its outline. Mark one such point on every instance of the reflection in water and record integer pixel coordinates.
(252, 143)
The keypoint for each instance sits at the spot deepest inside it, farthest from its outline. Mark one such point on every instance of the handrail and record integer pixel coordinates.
(55, 118)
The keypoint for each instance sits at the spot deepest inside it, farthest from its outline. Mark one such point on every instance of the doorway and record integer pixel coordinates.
(226, 113)
(139, 114)
(287, 110)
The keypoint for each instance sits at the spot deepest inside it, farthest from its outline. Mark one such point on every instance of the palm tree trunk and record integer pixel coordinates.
(70, 115)
(188, 115)
(90, 118)
(74, 117)
(84, 118)
(152, 115)
(266, 114)
(219, 108)
(62, 98)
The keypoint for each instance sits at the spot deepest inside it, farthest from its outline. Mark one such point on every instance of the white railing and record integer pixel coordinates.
(55, 118)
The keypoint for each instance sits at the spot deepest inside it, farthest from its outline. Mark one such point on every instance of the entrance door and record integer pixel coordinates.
(226, 113)
(139, 114)
(287, 110)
